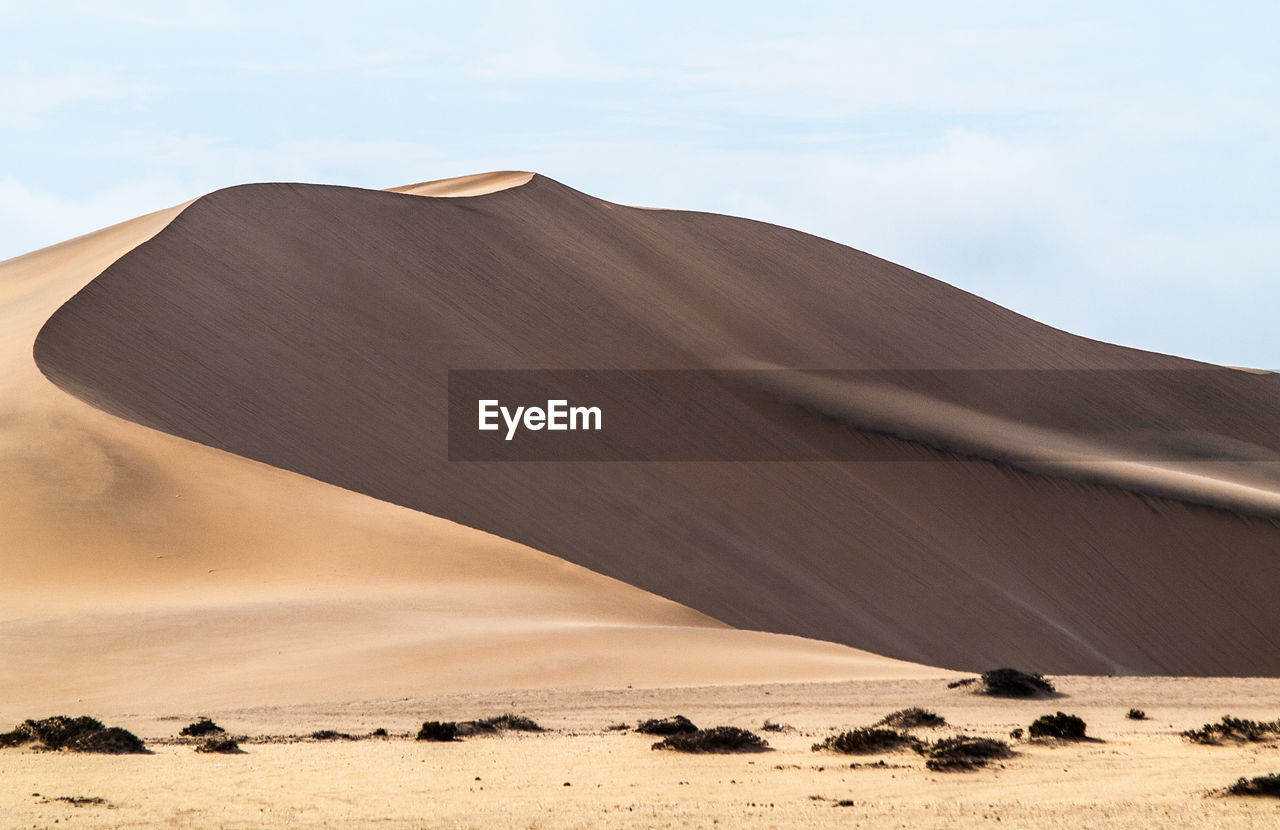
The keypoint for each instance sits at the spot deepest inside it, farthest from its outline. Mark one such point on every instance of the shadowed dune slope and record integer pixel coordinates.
(312, 328)
(144, 572)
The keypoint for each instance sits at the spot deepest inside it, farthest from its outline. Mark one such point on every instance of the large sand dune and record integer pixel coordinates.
(311, 328)
(142, 571)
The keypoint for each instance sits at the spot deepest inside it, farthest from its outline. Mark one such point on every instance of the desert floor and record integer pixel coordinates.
(579, 774)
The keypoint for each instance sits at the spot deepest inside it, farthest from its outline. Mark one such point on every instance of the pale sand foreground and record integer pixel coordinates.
(1139, 774)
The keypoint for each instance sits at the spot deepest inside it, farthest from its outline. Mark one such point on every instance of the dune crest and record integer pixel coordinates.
(477, 184)
(319, 340)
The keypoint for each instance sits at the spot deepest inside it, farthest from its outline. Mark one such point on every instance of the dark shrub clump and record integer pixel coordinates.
(718, 739)
(501, 723)
(331, 735)
(1013, 683)
(674, 725)
(1268, 785)
(964, 681)
(866, 740)
(82, 734)
(204, 726)
(110, 741)
(912, 718)
(1061, 725)
(1234, 729)
(223, 744)
(963, 752)
(434, 730)
(1136, 714)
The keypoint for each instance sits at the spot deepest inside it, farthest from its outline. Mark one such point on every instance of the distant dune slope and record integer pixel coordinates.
(311, 328)
(143, 572)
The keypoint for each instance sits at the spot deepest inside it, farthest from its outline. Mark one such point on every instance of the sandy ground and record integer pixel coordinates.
(1135, 774)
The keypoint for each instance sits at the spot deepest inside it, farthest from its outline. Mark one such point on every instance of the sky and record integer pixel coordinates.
(1110, 169)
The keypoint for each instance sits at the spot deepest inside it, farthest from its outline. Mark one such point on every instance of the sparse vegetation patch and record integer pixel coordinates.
(912, 718)
(866, 740)
(499, 723)
(200, 728)
(1008, 682)
(439, 731)
(963, 752)
(331, 735)
(1234, 729)
(1263, 785)
(1061, 725)
(82, 734)
(221, 744)
(674, 725)
(718, 739)
(1136, 714)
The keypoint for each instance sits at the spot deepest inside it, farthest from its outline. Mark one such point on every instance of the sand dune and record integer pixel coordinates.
(311, 328)
(142, 570)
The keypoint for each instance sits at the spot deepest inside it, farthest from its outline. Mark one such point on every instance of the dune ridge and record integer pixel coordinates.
(317, 335)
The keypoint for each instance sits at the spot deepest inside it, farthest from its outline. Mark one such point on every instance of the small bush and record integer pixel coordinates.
(82, 734)
(507, 722)
(441, 731)
(1016, 733)
(110, 741)
(202, 727)
(912, 718)
(718, 739)
(1064, 726)
(966, 681)
(378, 733)
(1013, 683)
(1234, 729)
(331, 735)
(223, 744)
(1136, 714)
(50, 733)
(963, 752)
(617, 727)
(865, 741)
(1267, 785)
(674, 725)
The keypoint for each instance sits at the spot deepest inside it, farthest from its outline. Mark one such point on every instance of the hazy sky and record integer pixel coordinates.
(1111, 171)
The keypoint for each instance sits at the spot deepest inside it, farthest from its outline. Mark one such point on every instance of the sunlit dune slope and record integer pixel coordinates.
(312, 327)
